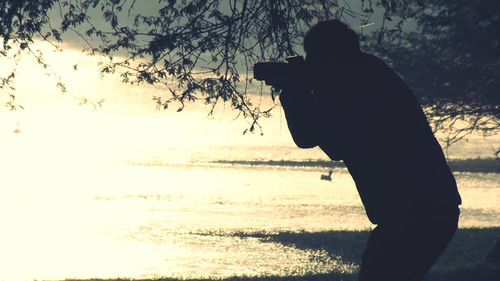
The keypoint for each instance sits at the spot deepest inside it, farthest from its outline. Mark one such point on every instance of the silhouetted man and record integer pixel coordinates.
(356, 109)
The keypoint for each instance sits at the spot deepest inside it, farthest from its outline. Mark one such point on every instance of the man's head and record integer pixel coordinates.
(331, 38)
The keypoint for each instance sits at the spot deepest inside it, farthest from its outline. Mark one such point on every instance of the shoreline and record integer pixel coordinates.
(471, 165)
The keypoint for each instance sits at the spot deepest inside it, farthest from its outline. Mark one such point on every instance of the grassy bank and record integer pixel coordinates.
(283, 163)
(477, 165)
(463, 260)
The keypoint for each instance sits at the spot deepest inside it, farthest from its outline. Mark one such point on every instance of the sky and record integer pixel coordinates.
(52, 111)
(74, 44)
(150, 8)
(126, 125)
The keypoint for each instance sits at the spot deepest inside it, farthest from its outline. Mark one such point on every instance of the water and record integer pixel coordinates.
(179, 221)
(135, 196)
(130, 192)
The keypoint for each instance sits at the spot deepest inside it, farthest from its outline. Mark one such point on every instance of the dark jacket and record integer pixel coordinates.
(363, 113)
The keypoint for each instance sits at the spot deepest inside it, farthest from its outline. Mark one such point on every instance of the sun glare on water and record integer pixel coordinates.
(125, 190)
(59, 157)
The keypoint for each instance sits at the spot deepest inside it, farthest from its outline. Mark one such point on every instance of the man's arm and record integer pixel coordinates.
(300, 112)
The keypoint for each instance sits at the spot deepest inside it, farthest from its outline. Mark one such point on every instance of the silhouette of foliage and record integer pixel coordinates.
(203, 50)
(451, 61)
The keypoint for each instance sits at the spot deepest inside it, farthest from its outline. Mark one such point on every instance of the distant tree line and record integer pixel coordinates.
(203, 50)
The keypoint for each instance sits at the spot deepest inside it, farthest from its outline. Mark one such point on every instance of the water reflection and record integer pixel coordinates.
(184, 220)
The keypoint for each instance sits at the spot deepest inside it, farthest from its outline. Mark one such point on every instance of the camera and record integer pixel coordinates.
(279, 74)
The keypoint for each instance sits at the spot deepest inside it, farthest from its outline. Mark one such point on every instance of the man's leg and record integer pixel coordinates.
(406, 251)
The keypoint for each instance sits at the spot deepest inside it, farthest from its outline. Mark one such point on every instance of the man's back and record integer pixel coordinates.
(381, 133)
